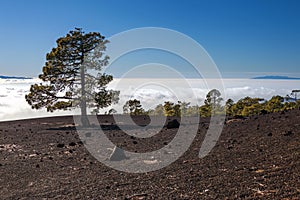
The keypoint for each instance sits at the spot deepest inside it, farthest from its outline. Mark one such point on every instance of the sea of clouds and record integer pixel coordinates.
(150, 92)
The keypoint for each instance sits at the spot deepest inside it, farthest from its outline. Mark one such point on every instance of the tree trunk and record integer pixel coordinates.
(84, 118)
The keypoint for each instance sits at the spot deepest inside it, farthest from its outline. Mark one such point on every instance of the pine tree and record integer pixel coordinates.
(212, 103)
(69, 79)
(133, 107)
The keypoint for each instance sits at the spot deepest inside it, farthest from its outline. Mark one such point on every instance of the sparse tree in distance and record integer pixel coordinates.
(212, 104)
(133, 107)
(192, 111)
(68, 81)
(228, 107)
(168, 109)
(275, 104)
(172, 109)
(184, 108)
(295, 94)
(205, 110)
(157, 111)
(247, 106)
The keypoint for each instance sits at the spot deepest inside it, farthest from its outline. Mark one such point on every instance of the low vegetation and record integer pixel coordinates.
(214, 105)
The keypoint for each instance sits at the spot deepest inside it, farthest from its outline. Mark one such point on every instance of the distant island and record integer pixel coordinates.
(13, 77)
(277, 77)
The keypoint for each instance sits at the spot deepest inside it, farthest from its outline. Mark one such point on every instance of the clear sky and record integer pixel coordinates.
(244, 38)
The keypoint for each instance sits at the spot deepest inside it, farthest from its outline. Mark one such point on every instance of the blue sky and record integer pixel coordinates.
(244, 38)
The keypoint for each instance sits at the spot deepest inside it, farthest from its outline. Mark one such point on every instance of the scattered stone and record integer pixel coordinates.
(137, 196)
(288, 133)
(253, 169)
(259, 170)
(173, 124)
(134, 142)
(72, 144)
(10, 147)
(270, 134)
(150, 162)
(60, 145)
(37, 166)
(117, 154)
(233, 121)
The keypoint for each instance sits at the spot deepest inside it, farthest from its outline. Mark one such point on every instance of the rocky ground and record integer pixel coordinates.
(255, 158)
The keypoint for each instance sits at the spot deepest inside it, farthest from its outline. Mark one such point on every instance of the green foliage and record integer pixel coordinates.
(205, 110)
(133, 107)
(68, 82)
(193, 110)
(212, 104)
(246, 106)
(252, 106)
(188, 110)
(228, 107)
(169, 109)
(291, 105)
(275, 104)
(157, 111)
(172, 109)
(213, 97)
(252, 109)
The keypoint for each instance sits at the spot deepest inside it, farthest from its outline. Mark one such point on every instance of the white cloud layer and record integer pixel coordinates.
(150, 92)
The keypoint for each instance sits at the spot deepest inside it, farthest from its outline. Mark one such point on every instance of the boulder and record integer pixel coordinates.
(173, 124)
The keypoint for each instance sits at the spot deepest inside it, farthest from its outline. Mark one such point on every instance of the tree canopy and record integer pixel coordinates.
(133, 107)
(212, 104)
(72, 75)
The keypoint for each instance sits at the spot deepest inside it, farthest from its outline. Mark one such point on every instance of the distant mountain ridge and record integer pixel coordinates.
(13, 77)
(277, 77)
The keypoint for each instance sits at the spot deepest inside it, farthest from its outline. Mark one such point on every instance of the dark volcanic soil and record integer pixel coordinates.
(255, 158)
